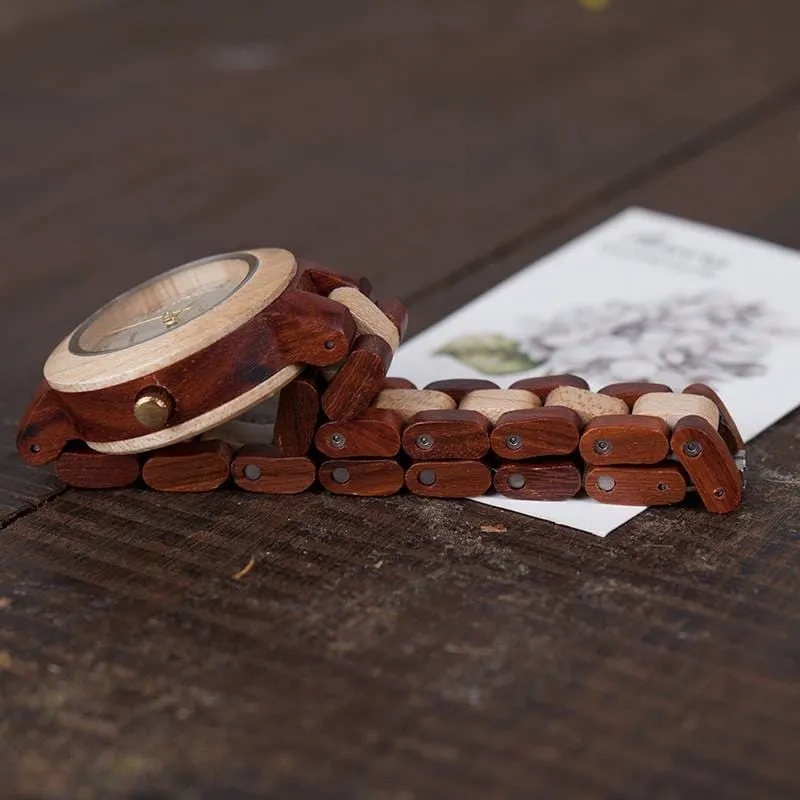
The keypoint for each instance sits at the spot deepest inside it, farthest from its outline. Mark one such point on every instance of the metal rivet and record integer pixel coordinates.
(602, 447)
(516, 480)
(154, 407)
(514, 441)
(427, 477)
(693, 449)
(719, 492)
(36, 449)
(252, 472)
(340, 475)
(337, 440)
(425, 441)
(662, 487)
(605, 483)
(330, 344)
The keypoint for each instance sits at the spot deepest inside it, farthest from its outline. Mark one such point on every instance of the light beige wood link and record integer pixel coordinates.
(586, 404)
(673, 407)
(407, 402)
(369, 318)
(493, 403)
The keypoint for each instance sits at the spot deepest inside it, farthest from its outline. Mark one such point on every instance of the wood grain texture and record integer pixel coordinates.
(493, 403)
(320, 279)
(625, 439)
(45, 428)
(362, 477)
(368, 316)
(360, 379)
(674, 407)
(375, 433)
(297, 416)
(193, 467)
(728, 429)
(459, 388)
(543, 385)
(398, 383)
(388, 647)
(266, 469)
(408, 402)
(586, 404)
(709, 463)
(630, 392)
(547, 479)
(536, 432)
(82, 468)
(451, 479)
(451, 434)
(659, 485)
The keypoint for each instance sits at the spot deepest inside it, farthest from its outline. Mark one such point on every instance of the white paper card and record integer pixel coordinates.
(644, 296)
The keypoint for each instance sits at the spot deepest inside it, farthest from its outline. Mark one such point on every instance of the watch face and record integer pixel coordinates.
(162, 305)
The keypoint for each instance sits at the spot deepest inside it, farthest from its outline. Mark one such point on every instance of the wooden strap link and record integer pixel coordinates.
(369, 316)
(82, 468)
(546, 439)
(268, 470)
(659, 485)
(201, 466)
(362, 477)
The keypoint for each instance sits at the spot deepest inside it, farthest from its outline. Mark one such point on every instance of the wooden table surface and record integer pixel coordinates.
(386, 649)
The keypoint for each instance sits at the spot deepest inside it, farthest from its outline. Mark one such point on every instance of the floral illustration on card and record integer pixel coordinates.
(708, 338)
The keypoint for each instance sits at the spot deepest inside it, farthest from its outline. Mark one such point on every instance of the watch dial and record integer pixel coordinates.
(161, 305)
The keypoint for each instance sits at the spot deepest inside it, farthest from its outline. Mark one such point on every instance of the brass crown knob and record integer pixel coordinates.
(154, 407)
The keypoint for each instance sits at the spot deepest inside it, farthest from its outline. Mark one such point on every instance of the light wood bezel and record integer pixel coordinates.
(70, 371)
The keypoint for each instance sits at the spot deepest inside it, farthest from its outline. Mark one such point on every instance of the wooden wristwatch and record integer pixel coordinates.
(193, 348)
(165, 387)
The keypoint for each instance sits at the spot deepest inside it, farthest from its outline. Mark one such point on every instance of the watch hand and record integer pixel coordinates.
(164, 316)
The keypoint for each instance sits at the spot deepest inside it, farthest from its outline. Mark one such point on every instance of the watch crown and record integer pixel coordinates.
(154, 407)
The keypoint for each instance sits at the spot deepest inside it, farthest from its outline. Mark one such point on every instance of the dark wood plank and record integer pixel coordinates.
(436, 657)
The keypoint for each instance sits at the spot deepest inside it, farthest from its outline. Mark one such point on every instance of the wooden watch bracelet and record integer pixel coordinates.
(547, 438)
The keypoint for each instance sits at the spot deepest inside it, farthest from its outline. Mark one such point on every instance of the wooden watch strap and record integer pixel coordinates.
(426, 443)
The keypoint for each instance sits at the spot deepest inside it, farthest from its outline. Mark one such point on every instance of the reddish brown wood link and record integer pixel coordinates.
(451, 434)
(360, 379)
(362, 477)
(199, 466)
(458, 388)
(375, 433)
(364, 286)
(708, 460)
(545, 384)
(397, 313)
(398, 383)
(82, 468)
(295, 328)
(727, 427)
(266, 470)
(631, 392)
(536, 432)
(625, 439)
(544, 479)
(449, 478)
(657, 485)
(298, 415)
(320, 278)
(45, 428)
